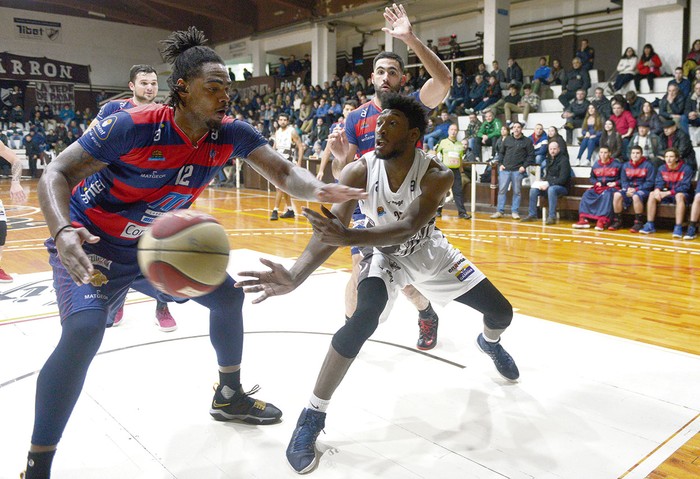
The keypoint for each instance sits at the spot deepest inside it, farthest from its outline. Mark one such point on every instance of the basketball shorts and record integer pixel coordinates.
(359, 220)
(437, 269)
(671, 200)
(642, 194)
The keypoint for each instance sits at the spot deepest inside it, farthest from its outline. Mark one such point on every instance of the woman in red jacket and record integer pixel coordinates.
(649, 67)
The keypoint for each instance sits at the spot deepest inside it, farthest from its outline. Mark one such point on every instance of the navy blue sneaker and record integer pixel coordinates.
(301, 452)
(242, 407)
(427, 332)
(678, 231)
(503, 361)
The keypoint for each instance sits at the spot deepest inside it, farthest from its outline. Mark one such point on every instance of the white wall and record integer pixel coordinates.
(109, 48)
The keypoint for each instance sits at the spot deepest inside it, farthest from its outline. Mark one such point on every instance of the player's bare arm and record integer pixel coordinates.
(17, 193)
(297, 181)
(435, 89)
(55, 186)
(434, 186)
(296, 139)
(278, 280)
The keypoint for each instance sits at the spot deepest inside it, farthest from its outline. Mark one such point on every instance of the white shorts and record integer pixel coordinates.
(437, 269)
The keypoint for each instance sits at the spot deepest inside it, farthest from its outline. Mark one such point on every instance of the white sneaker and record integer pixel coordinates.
(496, 215)
(515, 216)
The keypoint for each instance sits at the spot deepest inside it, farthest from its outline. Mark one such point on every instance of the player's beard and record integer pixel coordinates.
(213, 124)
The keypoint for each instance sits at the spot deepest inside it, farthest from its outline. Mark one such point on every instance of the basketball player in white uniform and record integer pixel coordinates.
(285, 138)
(401, 246)
(17, 195)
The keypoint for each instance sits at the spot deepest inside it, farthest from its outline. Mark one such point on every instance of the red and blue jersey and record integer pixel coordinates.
(114, 106)
(677, 180)
(640, 176)
(362, 122)
(606, 173)
(152, 168)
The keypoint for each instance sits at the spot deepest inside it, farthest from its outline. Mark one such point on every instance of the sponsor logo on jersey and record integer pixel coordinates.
(464, 273)
(100, 261)
(156, 155)
(155, 175)
(98, 279)
(132, 231)
(97, 295)
(90, 192)
(170, 201)
(380, 211)
(456, 265)
(104, 128)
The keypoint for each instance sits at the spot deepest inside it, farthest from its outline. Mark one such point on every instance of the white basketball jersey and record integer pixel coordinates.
(383, 206)
(283, 139)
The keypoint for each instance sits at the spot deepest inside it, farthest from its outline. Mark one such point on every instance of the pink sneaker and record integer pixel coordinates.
(118, 317)
(4, 277)
(164, 319)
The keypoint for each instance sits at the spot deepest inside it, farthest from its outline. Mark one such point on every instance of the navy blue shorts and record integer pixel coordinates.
(359, 221)
(642, 194)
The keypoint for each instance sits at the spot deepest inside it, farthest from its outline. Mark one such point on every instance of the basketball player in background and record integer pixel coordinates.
(17, 195)
(326, 154)
(284, 139)
(143, 82)
(358, 139)
(405, 186)
(100, 194)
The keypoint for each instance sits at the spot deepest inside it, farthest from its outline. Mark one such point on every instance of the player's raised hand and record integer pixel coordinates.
(398, 20)
(337, 193)
(275, 282)
(327, 227)
(69, 245)
(17, 193)
(338, 143)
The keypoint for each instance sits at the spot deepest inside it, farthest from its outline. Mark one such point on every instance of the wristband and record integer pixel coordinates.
(55, 236)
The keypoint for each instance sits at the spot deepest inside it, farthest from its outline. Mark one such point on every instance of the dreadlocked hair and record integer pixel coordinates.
(185, 50)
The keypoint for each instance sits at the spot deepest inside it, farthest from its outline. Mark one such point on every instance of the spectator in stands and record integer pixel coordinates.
(516, 154)
(682, 83)
(358, 80)
(692, 232)
(496, 150)
(626, 68)
(423, 76)
(497, 73)
(477, 92)
(66, 114)
(322, 109)
(674, 137)
(636, 182)
(672, 186)
(601, 103)
(673, 105)
(648, 141)
(471, 135)
(319, 134)
(574, 113)
(434, 49)
(530, 102)
(492, 95)
(246, 74)
(586, 54)
(458, 94)
(15, 97)
(553, 135)
(611, 139)
(101, 96)
(576, 79)
(650, 116)
(558, 75)
(555, 183)
(17, 115)
(33, 154)
(635, 103)
(4, 118)
(514, 74)
(692, 116)
(597, 202)
(541, 75)
(692, 59)
(431, 140)
(488, 133)
(591, 130)
(625, 125)
(539, 143)
(513, 98)
(294, 65)
(649, 67)
(451, 152)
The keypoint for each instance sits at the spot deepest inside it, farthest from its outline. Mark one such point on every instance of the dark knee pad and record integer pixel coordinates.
(372, 297)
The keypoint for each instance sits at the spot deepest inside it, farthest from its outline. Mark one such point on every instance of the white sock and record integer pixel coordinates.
(489, 340)
(318, 404)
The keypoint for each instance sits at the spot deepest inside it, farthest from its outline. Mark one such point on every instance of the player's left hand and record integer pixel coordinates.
(398, 19)
(17, 193)
(329, 229)
(275, 282)
(337, 193)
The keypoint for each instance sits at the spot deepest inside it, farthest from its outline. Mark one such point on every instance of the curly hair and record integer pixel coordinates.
(185, 50)
(414, 111)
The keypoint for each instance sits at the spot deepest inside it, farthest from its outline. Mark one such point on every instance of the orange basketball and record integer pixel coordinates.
(184, 253)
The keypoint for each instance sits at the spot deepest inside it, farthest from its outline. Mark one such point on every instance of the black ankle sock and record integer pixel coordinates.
(232, 380)
(428, 312)
(39, 465)
(639, 218)
(161, 305)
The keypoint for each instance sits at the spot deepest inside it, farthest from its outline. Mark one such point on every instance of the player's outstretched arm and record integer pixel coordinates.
(55, 186)
(435, 89)
(17, 193)
(299, 182)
